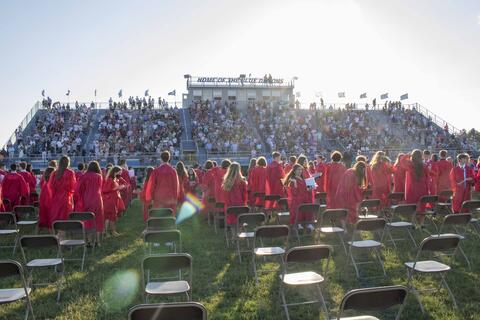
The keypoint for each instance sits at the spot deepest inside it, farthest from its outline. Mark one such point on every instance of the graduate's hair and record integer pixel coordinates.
(360, 169)
(165, 156)
(13, 167)
(226, 163)
(52, 163)
(113, 171)
(434, 157)
(148, 173)
(93, 166)
(291, 174)
(361, 158)
(427, 152)
(63, 164)
(195, 165)
(81, 166)
(262, 162)
(443, 154)
(208, 165)
(234, 174)
(336, 156)
(194, 174)
(463, 156)
(292, 159)
(29, 167)
(377, 159)
(399, 158)
(302, 160)
(252, 164)
(275, 154)
(122, 162)
(23, 165)
(181, 171)
(47, 173)
(417, 160)
(214, 163)
(310, 164)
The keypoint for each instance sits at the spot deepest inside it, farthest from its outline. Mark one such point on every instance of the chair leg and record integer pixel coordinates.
(215, 221)
(350, 254)
(238, 250)
(284, 301)
(465, 257)
(84, 254)
(449, 291)
(255, 268)
(389, 234)
(379, 258)
(324, 304)
(412, 238)
(414, 290)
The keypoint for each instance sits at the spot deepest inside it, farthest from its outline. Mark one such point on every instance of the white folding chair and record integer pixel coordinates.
(9, 232)
(168, 311)
(459, 222)
(282, 214)
(402, 217)
(27, 217)
(86, 217)
(231, 230)
(246, 224)
(330, 223)
(170, 239)
(71, 234)
(369, 208)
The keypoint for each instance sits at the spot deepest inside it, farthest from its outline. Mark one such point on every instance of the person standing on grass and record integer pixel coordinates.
(62, 187)
(275, 175)
(234, 188)
(112, 201)
(461, 179)
(45, 200)
(258, 182)
(333, 173)
(14, 187)
(143, 199)
(162, 187)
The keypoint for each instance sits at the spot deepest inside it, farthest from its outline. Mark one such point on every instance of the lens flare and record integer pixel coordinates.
(189, 208)
(120, 290)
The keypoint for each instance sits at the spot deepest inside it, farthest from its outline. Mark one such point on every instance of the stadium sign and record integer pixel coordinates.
(227, 80)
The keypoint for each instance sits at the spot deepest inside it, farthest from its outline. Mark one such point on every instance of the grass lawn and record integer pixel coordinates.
(110, 284)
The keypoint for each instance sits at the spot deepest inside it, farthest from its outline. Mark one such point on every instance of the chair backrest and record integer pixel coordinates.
(275, 231)
(160, 212)
(367, 193)
(405, 209)
(238, 210)
(211, 199)
(432, 199)
(370, 224)
(170, 311)
(251, 219)
(283, 203)
(446, 194)
(219, 205)
(10, 268)
(68, 226)
(370, 203)
(82, 216)
(25, 212)
(334, 215)
(161, 223)
(309, 207)
(457, 219)
(162, 236)
(396, 197)
(7, 219)
(260, 195)
(373, 299)
(308, 253)
(167, 262)
(272, 197)
(321, 197)
(39, 241)
(471, 205)
(440, 243)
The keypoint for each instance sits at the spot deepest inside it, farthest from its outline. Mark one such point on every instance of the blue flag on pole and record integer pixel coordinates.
(172, 93)
(404, 96)
(120, 93)
(363, 95)
(341, 94)
(68, 92)
(384, 96)
(43, 93)
(95, 93)
(146, 93)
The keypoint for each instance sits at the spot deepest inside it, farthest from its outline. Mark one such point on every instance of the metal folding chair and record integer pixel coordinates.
(473, 207)
(430, 214)
(283, 213)
(87, 217)
(168, 311)
(459, 222)
(160, 265)
(302, 255)
(246, 224)
(394, 199)
(330, 222)
(71, 233)
(372, 245)
(171, 239)
(9, 230)
(373, 299)
(237, 210)
(27, 217)
(210, 213)
(263, 233)
(272, 200)
(369, 208)
(367, 194)
(259, 196)
(160, 224)
(11, 268)
(160, 212)
(321, 198)
(219, 215)
(29, 244)
(433, 244)
(314, 209)
(402, 217)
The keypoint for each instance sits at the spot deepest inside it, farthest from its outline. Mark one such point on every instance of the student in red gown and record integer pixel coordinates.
(461, 179)
(381, 177)
(208, 186)
(333, 174)
(198, 173)
(311, 167)
(362, 158)
(350, 190)
(258, 182)
(416, 179)
(14, 188)
(218, 175)
(126, 193)
(143, 199)
(33, 192)
(162, 187)
(3, 172)
(443, 170)
(399, 174)
(29, 179)
(291, 162)
(192, 181)
(434, 172)
(234, 187)
(112, 200)
(2, 208)
(89, 190)
(303, 161)
(477, 176)
(80, 171)
(182, 181)
(275, 175)
(298, 193)
(320, 168)
(45, 200)
(251, 166)
(61, 186)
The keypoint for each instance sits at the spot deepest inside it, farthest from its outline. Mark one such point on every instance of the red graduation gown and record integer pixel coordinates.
(62, 195)
(208, 189)
(45, 203)
(320, 181)
(89, 190)
(163, 188)
(415, 188)
(218, 174)
(237, 196)
(126, 193)
(14, 187)
(349, 195)
(443, 175)
(381, 182)
(334, 173)
(399, 175)
(274, 186)
(477, 179)
(182, 188)
(299, 194)
(29, 179)
(257, 183)
(111, 199)
(2, 208)
(461, 192)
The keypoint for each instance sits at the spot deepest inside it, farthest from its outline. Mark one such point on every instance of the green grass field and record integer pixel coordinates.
(110, 284)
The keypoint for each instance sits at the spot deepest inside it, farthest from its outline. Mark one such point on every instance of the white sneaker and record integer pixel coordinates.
(310, 227)
(299, 227)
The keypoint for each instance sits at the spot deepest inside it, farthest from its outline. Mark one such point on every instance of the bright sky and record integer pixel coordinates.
(429, 49)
